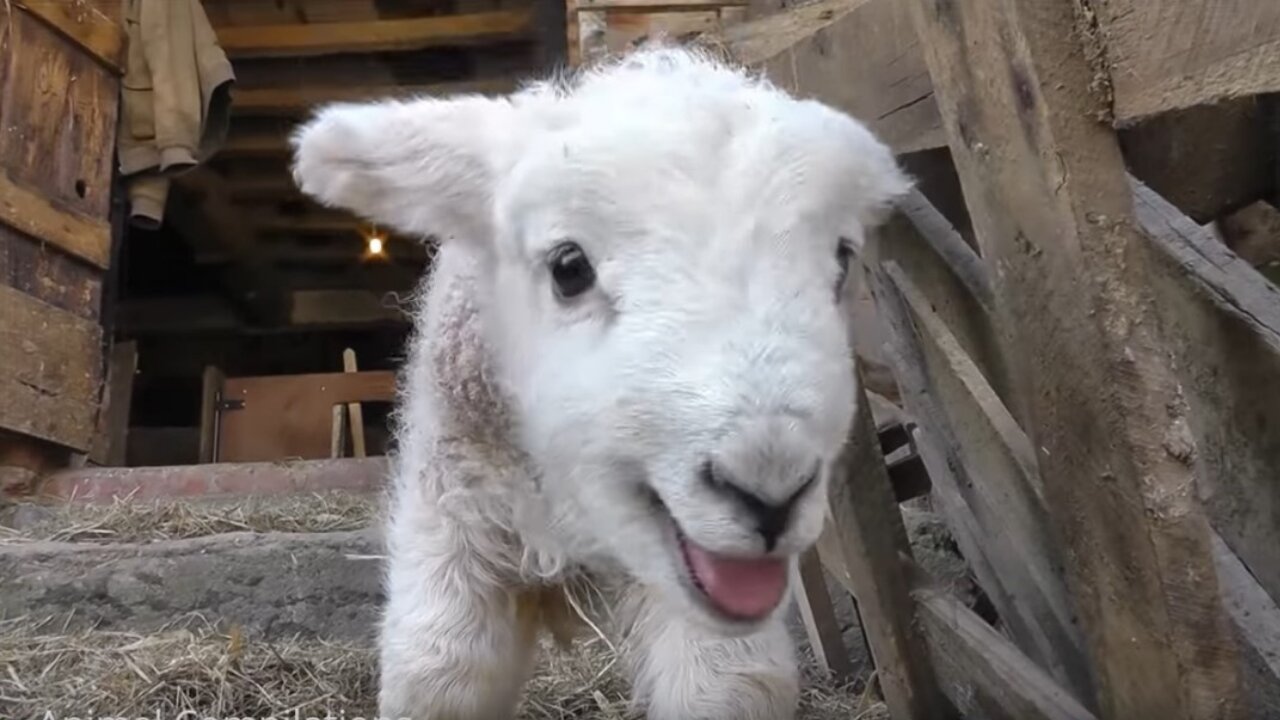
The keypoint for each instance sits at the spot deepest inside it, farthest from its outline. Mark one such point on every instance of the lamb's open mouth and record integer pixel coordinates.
(735, 588)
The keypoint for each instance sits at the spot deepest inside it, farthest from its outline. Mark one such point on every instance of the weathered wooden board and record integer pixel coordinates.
(49, 275)
(57, 117)
(306, 39)
(1159, 55)
(1046, 187)
(50, 371)
(28, 211)
(813, 598)
(865, 546)
(1223, 320)
(111, 439)
(1169, 54)
(982, 673)
(860, 56)
(1004, 495)
(290, 416)
(94, 25)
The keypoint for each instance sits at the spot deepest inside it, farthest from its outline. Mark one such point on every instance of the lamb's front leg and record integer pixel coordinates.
(452, 647)
(684, 670)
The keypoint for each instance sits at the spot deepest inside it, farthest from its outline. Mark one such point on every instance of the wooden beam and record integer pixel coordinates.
(354, 410)
(32, 213)
(1163, 55)
(112, 435)
(1046, 187)
(85, 24)
(860, 56)
(255, 145)
(313, 309)
(1159, 55)
(1252, 609)
(982, 673)
(310, 39)
(50, 371)
(1224, 321)
(319, 222)
(865, 545)
(211, 383)
(343, 307)
(659, 5)
(1007, 502)
(813, 598)
(298, 101)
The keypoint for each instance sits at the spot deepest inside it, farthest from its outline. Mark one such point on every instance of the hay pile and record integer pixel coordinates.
(192, 667)
(127, 520)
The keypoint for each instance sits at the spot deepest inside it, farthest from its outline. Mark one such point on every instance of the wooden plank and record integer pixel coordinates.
(819, 617)
(659, 4)
(1168, 54)
(865, 544)
(290, 416)
(338, 432)
(210, 394)
(57, 117)
(84, 23)
(982, 673)
(1007, 499)
(28, 211)
(50, 370)
(310, 39)
(987, 481)
(49, 275)
(1160, 55)
(860, 56)
(1223, 319)
(112, 436)
(1046, 189)
(354, 410)
(1252, 609)
(297, 101)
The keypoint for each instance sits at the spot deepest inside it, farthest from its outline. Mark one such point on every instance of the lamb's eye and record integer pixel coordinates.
(844, 255)
(571, 271)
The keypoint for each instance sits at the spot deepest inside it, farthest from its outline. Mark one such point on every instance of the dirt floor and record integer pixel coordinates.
(68, 665)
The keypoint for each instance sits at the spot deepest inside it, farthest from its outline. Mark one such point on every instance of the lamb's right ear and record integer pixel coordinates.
(424, 167)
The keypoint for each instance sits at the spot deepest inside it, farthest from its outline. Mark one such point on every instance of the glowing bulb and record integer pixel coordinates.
(376, 245)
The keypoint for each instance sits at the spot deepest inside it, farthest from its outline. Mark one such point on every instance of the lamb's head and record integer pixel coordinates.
(665, 245)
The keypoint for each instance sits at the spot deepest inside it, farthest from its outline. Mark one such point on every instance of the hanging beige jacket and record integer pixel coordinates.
(175, 99)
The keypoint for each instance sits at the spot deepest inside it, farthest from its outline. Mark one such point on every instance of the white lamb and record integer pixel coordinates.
(631, 362)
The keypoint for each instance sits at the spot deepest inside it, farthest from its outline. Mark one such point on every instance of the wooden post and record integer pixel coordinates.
(820, 622)
(866, 546)
(210, 396)
(1045, 184)
(354, 410)
(117, 401)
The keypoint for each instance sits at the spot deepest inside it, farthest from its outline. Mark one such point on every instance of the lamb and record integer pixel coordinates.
(630, 362)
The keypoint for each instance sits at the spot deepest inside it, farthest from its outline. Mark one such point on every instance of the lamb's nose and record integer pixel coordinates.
(771, 517)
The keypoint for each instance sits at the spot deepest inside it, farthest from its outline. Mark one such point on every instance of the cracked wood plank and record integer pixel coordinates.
(49, 371)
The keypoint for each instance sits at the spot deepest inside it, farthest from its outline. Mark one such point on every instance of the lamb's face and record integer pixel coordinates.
(668, 248)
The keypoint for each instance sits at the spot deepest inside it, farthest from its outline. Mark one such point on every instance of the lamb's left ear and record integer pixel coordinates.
(424, 167)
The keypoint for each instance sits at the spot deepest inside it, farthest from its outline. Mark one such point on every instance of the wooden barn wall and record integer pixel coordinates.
(59, 87)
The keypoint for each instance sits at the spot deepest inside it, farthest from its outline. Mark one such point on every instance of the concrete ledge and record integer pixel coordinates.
(273, 585)
(215, 479)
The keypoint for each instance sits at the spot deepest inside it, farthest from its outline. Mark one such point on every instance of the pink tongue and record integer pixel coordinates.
(747, 589)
